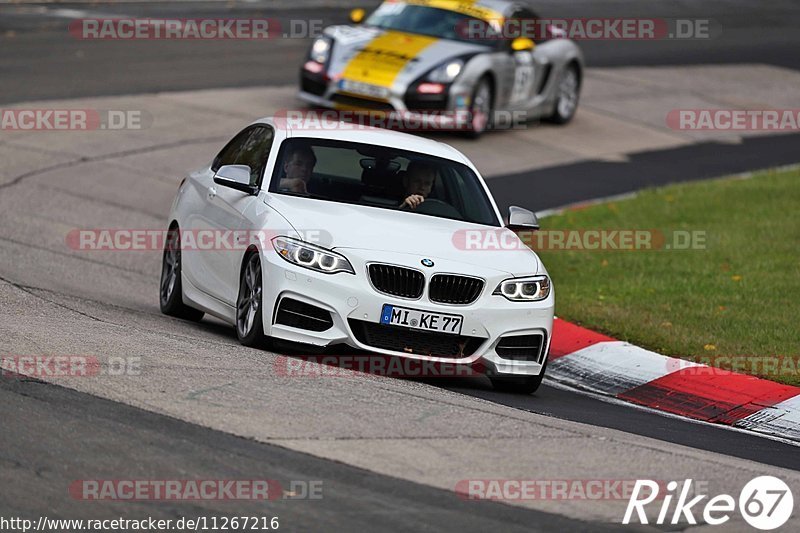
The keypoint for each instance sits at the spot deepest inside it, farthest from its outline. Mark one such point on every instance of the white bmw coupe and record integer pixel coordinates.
(361, 237)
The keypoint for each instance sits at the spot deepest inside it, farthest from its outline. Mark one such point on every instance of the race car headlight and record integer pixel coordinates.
(320, 50)
(310, 256)
(446, 72)
(524, 289)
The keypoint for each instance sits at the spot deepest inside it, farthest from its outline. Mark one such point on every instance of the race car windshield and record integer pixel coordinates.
(424, 20)
(381, 177)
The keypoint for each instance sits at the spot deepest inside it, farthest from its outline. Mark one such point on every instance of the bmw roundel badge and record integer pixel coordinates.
(427, 262)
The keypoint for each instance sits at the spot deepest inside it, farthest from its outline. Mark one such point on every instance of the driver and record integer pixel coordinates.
(297, 169)
(418, 182)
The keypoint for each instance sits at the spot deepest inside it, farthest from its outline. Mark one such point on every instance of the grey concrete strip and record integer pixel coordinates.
(623, 111)
(644, 95)
(21, 160)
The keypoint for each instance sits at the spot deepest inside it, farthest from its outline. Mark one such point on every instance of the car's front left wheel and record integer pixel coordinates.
(249, 326)
(170, 289)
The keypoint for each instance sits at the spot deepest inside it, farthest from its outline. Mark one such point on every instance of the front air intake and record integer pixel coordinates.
(302, 315)
(413, 341)
(521, 347)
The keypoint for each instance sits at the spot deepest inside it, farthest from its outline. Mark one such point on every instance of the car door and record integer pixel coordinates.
(198, 226)
(529, 67)
(228, 209)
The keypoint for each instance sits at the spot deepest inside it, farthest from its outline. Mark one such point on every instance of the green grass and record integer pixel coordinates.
(740, 296)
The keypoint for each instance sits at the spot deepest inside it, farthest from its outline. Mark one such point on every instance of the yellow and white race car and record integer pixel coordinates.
(445, 62)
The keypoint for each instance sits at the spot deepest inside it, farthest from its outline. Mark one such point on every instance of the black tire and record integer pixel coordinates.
(569, 91)
(481, 109)
(170, 293)
(249, 302)
(519, 385)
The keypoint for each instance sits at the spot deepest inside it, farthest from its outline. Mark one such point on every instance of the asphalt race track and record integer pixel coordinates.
(70, 68)
(388, 452)
(168, 448)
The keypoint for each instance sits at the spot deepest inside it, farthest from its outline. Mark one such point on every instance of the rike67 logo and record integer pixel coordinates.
(765, 503)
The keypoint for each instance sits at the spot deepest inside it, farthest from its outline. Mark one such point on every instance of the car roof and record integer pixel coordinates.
(370, 135)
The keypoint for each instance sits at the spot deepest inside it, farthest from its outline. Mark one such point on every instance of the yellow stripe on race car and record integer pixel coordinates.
(384, 57)
(466, 7)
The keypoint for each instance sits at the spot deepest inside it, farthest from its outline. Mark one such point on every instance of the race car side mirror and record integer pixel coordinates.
(522, 44)
(357, 15)
(520, 219)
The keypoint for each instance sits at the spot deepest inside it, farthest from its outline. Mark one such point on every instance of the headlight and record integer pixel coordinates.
(525, 289)
(446, 72)
(320, 50)
(311, 256)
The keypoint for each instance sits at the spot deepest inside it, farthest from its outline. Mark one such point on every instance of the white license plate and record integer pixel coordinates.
(414, 318)
(365, 89)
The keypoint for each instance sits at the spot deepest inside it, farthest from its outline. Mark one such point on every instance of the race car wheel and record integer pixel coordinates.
(519, 385)
(170, 291)
(480, 109)
(568, 95)
(249, 327)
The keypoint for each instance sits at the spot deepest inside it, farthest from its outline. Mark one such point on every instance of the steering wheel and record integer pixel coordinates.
(436, 207)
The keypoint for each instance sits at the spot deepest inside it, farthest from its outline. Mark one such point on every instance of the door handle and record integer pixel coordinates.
(212, 192)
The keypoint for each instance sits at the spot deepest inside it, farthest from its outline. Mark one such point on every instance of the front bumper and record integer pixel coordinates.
(350, 298)
(401, 105)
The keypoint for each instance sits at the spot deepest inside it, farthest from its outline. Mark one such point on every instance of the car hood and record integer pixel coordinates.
(347, 226)
(388, 58)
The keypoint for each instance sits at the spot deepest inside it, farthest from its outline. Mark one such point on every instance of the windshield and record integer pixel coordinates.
(381, 177)
(424, 20)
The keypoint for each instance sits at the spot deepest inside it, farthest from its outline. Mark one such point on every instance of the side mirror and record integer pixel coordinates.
(520, 219)
(357, 15)
(522, 44)
(236, 177)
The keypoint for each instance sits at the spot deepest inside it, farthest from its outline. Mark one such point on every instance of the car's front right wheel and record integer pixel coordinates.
(480, 109)
(569, 91)
(249, 326)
